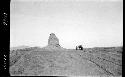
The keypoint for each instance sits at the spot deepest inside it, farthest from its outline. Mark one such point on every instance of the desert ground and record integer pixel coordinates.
(36, 61)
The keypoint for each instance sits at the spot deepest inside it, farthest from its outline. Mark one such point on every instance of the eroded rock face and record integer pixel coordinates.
(53, 40)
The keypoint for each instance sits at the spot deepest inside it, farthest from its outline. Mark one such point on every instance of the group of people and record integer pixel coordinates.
(79, 47)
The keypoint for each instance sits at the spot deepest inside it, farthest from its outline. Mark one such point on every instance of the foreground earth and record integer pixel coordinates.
(35, 61)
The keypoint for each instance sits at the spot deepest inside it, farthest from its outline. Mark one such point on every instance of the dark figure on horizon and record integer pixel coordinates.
(76, 47)
(79, 47)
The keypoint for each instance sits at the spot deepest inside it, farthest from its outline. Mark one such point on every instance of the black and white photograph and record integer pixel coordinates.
(72, 38)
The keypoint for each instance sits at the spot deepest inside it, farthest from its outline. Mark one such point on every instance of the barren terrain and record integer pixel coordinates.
(37, 61)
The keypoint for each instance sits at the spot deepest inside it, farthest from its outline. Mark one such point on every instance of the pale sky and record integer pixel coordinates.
(97, 23)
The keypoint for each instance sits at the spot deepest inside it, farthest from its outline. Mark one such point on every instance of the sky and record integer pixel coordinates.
(91, 23)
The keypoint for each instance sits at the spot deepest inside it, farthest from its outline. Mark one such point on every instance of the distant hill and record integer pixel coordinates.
(19, 47)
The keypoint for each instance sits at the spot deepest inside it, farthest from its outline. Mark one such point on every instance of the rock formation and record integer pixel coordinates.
(53, 44)
(53, 40)
(54, 60)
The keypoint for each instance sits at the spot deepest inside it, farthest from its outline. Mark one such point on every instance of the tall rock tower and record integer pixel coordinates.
(53, 44)
(53, 40)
